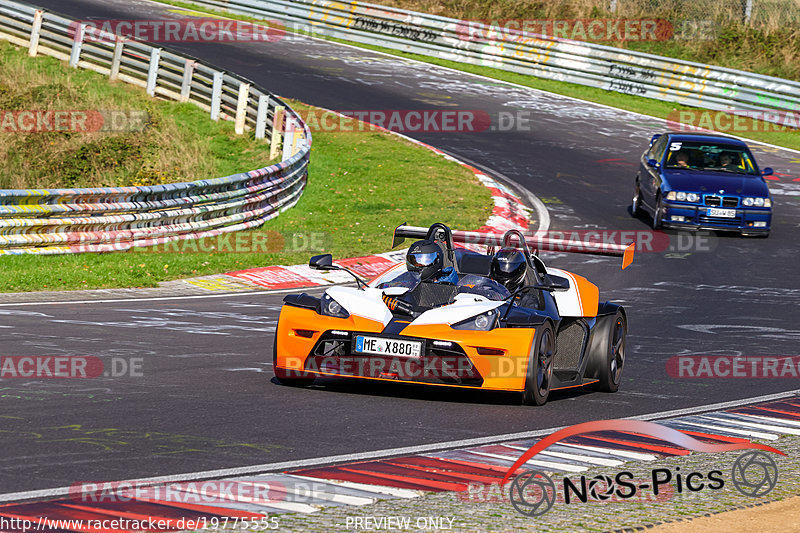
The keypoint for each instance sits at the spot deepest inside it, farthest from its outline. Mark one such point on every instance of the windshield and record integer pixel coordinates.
(403, 279)
(710, 156)
(482, 286)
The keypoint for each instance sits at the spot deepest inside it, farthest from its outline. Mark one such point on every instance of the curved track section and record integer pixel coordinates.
(205, 400)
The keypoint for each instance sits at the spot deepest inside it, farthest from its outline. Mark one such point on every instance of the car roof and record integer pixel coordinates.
(703, 137)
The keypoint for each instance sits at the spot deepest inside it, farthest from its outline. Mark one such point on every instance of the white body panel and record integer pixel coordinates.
(366, 303)
(568, 302)
(465, 306)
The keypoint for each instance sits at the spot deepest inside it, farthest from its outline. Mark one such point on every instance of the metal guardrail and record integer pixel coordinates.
(605, 67)
(58, 221)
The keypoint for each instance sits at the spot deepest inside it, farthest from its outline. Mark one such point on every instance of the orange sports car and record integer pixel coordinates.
(466, 325)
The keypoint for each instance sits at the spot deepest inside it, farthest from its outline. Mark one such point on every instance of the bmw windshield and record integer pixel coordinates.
(717, 157)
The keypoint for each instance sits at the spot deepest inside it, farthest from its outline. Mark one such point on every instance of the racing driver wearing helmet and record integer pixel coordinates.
(509, 266)
(424, 262)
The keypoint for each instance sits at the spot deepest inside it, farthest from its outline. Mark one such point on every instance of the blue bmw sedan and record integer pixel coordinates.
(702, 181)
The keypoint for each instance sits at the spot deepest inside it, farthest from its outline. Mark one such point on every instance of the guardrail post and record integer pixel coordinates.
(261, 116)
(277, 131)
(116, 58)
(152, 72)
(216, 95)
(77, 44)
(186, 83)
(241, 108)
(748, 11)
(36, 30)
(289, 138)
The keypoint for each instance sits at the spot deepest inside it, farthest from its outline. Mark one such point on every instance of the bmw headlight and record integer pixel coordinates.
(482, 322)
(683, 196)
(330, 307)
(757, 202)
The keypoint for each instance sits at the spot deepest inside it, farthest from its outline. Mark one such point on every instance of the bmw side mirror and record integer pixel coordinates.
(652, 163)
(767, 172)
(321, 262)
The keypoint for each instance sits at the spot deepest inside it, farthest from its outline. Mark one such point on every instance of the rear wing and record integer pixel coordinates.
(537, 241)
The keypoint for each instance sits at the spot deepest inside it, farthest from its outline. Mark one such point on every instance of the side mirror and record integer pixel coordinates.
(652, 163)
(321, 262)
(654, 138)
(767, 172)
(559, 284)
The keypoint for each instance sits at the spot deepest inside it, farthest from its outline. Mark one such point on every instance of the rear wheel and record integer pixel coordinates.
(540, 367)
(611, 374)
(282, 375)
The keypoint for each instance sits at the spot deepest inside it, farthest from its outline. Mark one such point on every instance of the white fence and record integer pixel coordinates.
(117, 218)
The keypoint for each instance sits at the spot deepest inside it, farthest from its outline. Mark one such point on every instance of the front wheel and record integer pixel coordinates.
(540, 367)
(658, 214)
(611, 373)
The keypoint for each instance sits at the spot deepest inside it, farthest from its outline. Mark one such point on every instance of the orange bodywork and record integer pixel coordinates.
(588, 294)
(499, 372)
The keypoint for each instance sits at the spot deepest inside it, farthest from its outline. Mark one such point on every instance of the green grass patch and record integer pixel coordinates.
(361, 185)
(178, 143)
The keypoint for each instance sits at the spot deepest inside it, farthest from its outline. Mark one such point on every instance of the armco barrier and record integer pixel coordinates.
(116, 218)
(593, 65)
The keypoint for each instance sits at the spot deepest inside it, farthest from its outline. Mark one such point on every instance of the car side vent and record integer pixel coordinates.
(569, 345)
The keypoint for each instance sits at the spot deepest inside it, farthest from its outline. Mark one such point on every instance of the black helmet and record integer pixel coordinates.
(508, 268)
(424, 257)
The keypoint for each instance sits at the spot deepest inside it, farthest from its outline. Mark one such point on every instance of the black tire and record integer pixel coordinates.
(658, 213)
(636, 201)
(611, 373)
(281, 375)
(539, 376)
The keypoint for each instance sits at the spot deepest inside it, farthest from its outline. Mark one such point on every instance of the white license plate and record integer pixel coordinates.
(380, 346)
(727, 213)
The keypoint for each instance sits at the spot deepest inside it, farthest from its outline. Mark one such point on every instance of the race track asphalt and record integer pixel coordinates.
(204, 399)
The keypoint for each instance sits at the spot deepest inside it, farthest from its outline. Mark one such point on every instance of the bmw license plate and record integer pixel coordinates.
(380, 346)
(726, 213)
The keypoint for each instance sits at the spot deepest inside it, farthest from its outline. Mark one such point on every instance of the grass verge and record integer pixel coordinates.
(178, 142)
(361, 184)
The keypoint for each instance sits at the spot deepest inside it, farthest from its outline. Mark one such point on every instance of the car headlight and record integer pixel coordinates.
(683, 196)
(757, 202)
(330, 307)
(482, 322)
